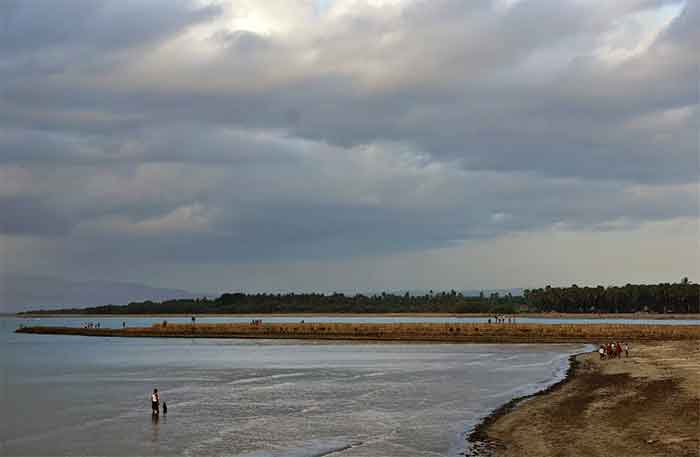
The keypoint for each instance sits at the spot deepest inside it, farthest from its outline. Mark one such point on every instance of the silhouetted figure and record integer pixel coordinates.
(165, 408)
(155, 402)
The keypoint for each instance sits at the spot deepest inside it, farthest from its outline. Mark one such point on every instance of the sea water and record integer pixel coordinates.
(74, 395)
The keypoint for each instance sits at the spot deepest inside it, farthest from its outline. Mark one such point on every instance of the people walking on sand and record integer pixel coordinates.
(618, 349)
(155, 402)
(601, 351)
(627, 350)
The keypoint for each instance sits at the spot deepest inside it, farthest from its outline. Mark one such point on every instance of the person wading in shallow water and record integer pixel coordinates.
(155, 402)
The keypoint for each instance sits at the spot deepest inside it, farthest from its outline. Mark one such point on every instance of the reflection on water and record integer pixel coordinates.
(155, 418)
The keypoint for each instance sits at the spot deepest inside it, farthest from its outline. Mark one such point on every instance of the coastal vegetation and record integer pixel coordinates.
(683, 297)
(240, 303)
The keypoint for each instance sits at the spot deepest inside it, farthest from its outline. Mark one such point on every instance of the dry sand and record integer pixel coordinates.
(642, 406)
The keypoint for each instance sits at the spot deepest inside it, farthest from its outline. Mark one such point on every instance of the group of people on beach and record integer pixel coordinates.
(503, 319)
(613, 350)
(256, 322)
(91, 325)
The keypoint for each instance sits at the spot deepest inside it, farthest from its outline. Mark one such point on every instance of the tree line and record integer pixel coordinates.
(682, 297)
(240, 303)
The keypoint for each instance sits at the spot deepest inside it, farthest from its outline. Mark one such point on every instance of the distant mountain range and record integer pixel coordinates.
(23, 292)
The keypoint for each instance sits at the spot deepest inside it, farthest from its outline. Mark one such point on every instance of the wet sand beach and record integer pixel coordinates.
(644, 405)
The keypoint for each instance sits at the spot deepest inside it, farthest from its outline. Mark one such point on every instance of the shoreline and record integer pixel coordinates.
(635, 316)
(602, 408)
(480, 444)
(597, 406)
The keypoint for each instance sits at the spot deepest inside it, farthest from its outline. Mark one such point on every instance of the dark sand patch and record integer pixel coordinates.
(645, 405)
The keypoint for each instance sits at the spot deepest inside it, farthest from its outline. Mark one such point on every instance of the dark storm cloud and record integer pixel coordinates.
(103, 25)
(386, 130)
(471, 102)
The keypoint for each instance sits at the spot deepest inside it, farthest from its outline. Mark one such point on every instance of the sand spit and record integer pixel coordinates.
(466, 333)
(549, 315)
(644, 405)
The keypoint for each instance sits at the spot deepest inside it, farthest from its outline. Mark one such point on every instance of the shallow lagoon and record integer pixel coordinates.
(65, 395)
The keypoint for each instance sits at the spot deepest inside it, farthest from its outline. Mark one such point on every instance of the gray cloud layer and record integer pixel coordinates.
(173, 131)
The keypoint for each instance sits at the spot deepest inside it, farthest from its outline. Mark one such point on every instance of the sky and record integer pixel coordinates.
(322, 145)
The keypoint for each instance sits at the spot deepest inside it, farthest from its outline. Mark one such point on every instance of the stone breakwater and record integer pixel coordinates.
(427, 332)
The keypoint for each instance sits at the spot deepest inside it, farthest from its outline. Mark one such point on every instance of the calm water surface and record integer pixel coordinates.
(72, 395)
